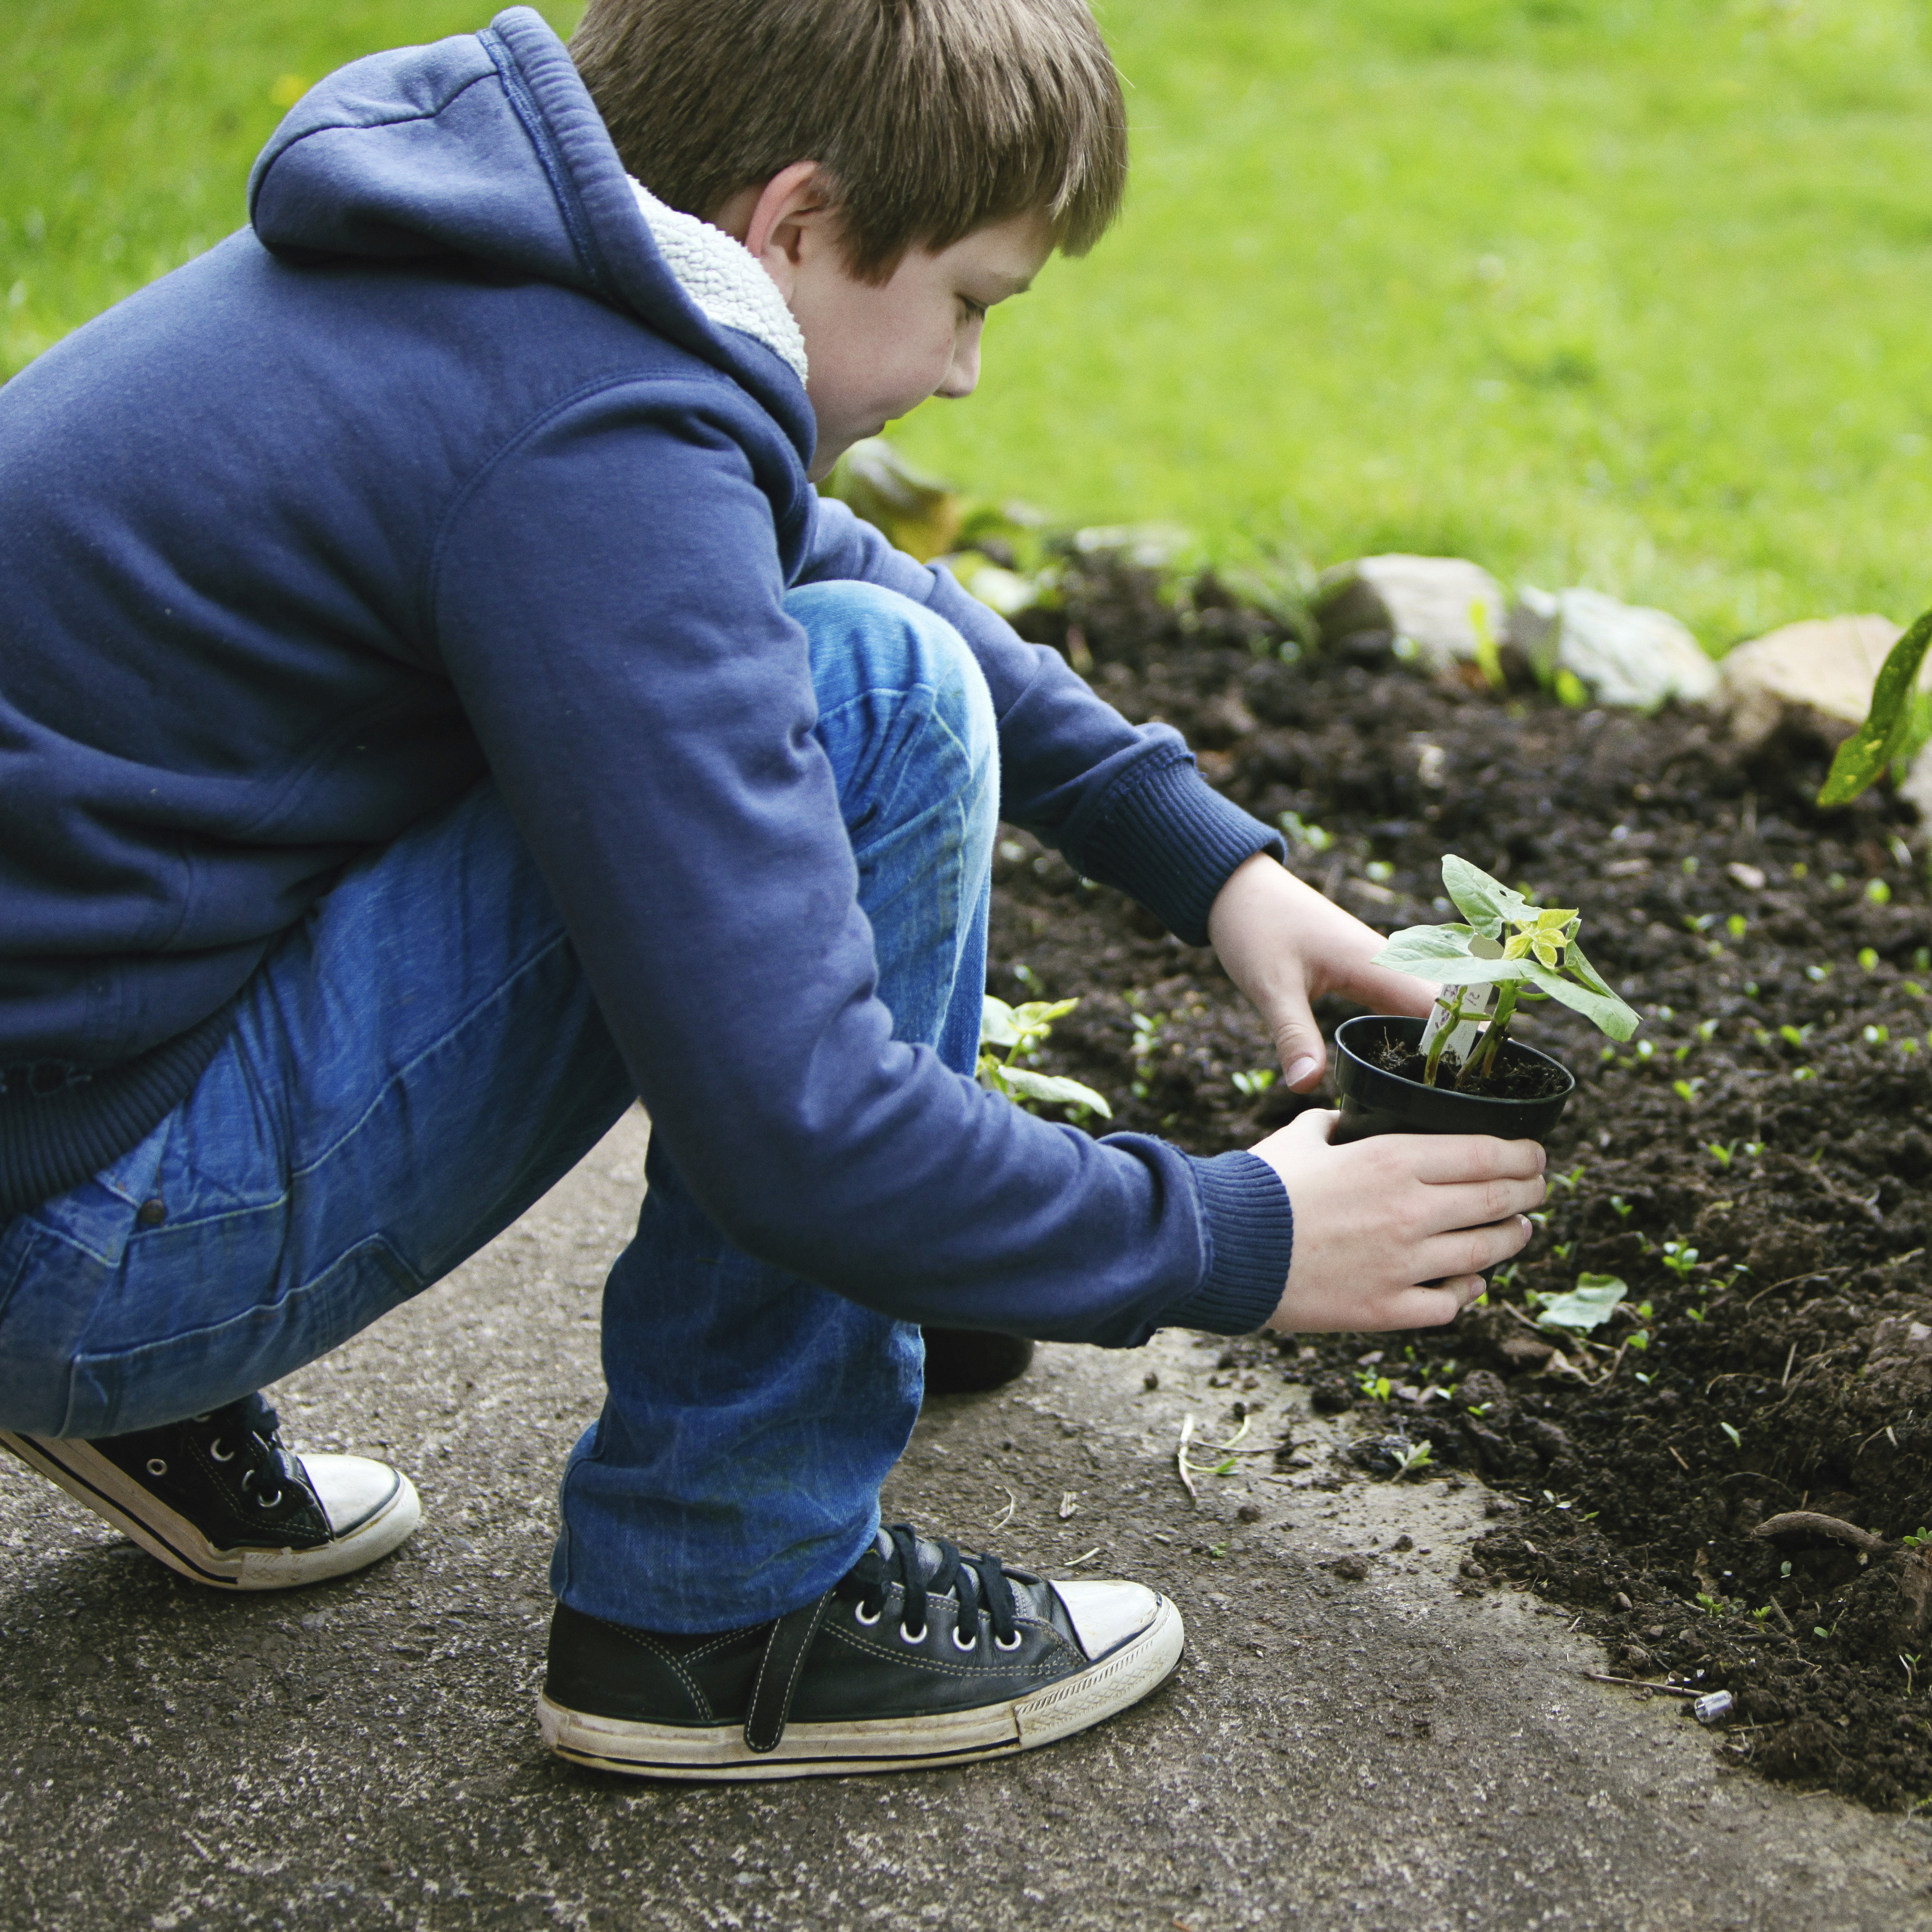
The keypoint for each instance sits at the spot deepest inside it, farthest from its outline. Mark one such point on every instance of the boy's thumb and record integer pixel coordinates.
(1303, 1056)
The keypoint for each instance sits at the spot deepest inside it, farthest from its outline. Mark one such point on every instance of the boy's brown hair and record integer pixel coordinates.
(933, 118)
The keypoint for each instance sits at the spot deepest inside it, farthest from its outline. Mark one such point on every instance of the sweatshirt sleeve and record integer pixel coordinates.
(1126, 805)
(647, 707)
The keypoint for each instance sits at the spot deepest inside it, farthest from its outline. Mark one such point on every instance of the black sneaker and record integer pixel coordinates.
(966, 1361)
(918, 1656)
(220, 1500)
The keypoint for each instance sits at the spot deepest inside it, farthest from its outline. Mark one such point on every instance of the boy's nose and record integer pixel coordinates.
(963, 378)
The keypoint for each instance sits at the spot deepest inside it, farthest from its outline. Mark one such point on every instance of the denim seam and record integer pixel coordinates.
(122, 1358)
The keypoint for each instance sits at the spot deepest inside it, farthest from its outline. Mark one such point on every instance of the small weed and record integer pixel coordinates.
(1255, 1083)
(1719, 1153)
(1737, 1440)
(1620, 1206)
(1687, 1090)
(1680, 1257)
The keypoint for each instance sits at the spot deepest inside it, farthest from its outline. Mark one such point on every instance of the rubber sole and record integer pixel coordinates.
(1123, 1677)
(89, 1477)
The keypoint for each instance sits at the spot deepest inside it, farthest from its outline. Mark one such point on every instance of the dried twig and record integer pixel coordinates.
(1005, 1515)
(1639, 1683)
(1796, 1523)
(1088, 1559)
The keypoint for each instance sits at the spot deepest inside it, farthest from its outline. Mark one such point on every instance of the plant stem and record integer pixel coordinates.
(1493, 1041)
(1442, 1039)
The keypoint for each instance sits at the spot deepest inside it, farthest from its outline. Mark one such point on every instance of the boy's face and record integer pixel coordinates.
(878, 350)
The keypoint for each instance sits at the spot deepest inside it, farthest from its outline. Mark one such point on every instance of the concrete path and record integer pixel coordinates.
(1384, 1752)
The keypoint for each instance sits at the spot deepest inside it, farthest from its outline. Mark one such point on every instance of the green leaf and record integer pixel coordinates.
(996, 1023)
(1442, 953)
(1596, 1002)
(1873, 746)
(1485, 902)
(1037, 1015)
(1053, 1088)
(1588, 1306)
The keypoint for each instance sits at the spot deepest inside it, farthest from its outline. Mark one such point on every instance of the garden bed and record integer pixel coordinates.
(1763, 1195)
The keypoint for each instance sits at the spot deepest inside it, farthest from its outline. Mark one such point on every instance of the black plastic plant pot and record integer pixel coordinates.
(1375, 1101)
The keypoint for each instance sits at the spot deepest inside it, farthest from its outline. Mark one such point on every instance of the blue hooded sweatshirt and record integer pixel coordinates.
(437, 469)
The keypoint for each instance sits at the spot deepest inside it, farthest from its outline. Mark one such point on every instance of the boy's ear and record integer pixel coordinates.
(781, 223)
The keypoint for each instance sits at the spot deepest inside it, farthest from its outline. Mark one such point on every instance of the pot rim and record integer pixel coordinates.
(1401, 1080)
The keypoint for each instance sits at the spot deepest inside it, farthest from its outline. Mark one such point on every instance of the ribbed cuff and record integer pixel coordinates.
(53, 1142)
(1170, 839)
(1251, 1234)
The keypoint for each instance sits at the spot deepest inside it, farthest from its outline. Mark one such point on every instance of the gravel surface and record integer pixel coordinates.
(1337, 1751)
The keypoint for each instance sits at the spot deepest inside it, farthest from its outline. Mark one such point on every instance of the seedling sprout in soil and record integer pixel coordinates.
(1509, 950)
(1021, 1030)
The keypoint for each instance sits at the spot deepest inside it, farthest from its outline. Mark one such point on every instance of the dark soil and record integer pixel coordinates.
(1516, 1075)
(1764, 1197)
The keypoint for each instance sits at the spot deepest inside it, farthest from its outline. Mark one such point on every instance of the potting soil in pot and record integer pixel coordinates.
(1754, 1167)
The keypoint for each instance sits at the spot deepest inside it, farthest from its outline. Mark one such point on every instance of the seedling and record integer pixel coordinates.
(1737, 925)
(1686, 1090)
(1795, 1036)
(1737, 1440)
(1589, 1305)
(1021, 1030)
(1415, 1461)
(1919, 1539)
(1620, 1206)
(1256, 1083)
(1876, 1036)
(1508, 950)
(1377, 1388)
(1911, 1665)
(1868, 955)
(1680, 1258)
(1719, 1152)
(1569, 1180)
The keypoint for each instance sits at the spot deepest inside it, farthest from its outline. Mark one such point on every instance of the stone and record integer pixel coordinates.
(1425, 600)
(1819, 673)
(1623, 654)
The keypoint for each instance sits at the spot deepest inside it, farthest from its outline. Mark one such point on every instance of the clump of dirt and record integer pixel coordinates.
(1754, 1167)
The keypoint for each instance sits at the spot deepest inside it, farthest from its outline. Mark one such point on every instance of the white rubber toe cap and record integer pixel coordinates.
(1106, 1615)
(351, 1489)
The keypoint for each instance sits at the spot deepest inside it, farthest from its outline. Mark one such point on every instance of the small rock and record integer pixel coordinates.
(1819, 674)
(1403, 1543)
(1626, 653)
(1248, 1513)
(1424, 599)
(1350, 1569)
(1526, 1351)
(1331, 1396)
(1749, 877)
(1151, 1380)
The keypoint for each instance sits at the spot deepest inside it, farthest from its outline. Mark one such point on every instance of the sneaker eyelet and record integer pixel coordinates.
(156, 1467)
(911, 1637)
(858, 1615)
(1000, 1643)
(971, 1643)
(220, 1454)
(269, 1502)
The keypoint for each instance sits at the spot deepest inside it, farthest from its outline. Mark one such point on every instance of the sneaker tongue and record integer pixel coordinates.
(929, 1556)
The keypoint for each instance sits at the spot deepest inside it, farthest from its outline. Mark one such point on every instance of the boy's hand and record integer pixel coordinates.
(1376, 1219)
(1284, 946)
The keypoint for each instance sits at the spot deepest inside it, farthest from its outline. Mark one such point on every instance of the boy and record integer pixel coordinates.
(436, 710)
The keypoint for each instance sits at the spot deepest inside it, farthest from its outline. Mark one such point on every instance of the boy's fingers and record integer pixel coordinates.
(1469, 1251)
(1434, 1307)
(1473, 1203)
(1446, 1159)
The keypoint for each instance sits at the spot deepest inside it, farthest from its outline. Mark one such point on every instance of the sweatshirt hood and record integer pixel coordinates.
(487, 147)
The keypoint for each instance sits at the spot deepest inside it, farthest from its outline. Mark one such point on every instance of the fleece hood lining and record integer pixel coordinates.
(722, 278)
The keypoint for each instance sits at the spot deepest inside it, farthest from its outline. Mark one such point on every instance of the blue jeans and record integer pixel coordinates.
(420, 1058)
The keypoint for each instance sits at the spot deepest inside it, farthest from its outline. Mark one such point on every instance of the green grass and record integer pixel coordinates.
(1630, 292)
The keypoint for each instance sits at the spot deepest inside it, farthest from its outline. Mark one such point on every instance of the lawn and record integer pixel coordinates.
(1628, 292)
